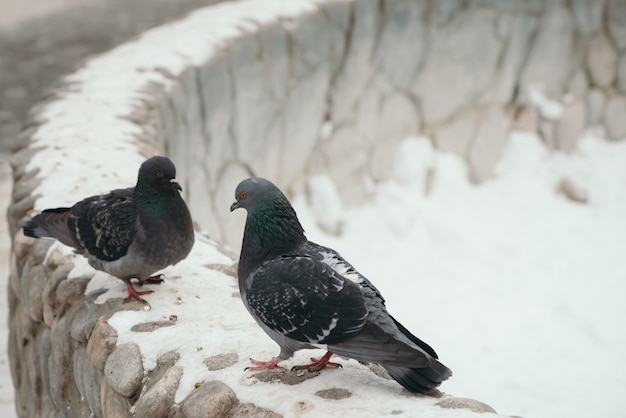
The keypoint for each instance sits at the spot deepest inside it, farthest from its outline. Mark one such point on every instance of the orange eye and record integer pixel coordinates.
(159, 174)
(243, 195)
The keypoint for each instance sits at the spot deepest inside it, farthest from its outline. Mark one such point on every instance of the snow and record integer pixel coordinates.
(519, 290)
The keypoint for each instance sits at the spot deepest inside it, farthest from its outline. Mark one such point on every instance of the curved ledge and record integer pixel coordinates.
(284, 89)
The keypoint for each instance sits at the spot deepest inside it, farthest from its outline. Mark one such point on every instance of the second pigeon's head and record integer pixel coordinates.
(255, 190)
(158, 173)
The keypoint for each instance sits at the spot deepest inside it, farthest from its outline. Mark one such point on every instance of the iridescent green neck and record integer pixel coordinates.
(272, 229)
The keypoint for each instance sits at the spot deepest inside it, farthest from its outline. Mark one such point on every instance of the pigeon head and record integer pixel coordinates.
(158, 173)
(272, 225)
(252, 192)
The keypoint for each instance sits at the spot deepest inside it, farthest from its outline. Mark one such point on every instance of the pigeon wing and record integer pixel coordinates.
(306, 300)
(105, 225)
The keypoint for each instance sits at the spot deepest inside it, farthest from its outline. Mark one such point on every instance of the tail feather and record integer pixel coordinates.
(374, 345)
(51, 223)
(413, 366)
(419, 379)
(421, 344)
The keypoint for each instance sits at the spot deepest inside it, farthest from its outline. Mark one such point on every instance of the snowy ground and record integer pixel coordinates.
(519, 290)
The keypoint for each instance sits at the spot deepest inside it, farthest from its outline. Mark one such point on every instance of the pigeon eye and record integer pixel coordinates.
(159, 174)
(243, 195)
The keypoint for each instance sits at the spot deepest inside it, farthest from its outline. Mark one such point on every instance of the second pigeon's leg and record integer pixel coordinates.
(156, 279)
(133, 294)
(318, 364)
(265, 365)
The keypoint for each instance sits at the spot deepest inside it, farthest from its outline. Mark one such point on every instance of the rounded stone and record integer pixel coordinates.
(33, 303)
(621, 73)
(334, 393)
(595, 107)
(81, 317)
(615, 118)
(113, 404)
(600, 60)
(87, 379)
(465, 403)
(221, 361)
(157, 401)
(249, 410)
(124, 369)
(101, 343)
(616, 19)
(571, 126)
(212, 399)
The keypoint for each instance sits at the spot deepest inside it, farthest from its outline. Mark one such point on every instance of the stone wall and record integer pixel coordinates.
(333, 92)
(282, 90)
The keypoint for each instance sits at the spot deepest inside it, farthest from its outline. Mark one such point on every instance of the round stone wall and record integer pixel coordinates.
(284, 90)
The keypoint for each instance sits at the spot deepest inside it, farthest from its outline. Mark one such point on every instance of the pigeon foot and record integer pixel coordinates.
(318, 364)
(133, 294)
(265, 365)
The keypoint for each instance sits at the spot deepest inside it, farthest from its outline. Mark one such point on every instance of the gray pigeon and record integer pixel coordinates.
(128, 233)
(304, 295)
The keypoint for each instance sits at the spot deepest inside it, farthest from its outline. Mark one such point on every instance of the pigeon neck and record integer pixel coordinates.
(155, 204)
(268, 234)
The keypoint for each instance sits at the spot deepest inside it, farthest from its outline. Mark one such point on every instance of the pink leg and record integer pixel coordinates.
(318, 364)
(156, 279)
(265, 365)
(133, 294)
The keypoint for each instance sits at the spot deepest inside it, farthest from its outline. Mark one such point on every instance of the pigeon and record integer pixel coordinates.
(304, 295)
(128, 233)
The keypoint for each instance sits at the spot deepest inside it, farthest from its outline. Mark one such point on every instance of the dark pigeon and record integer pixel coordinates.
(304, 295)
(128, 233)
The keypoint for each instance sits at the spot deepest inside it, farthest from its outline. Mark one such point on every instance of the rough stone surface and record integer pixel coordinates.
(578, 83)
(221, 361)
(159, 398)
(124, 369)
(551, 57)
(614, 119)
(456, 135)
(621, 73)
(616, 16)
(600, 60)
(211, 400)
(101, 344)
(113, 404)
(87, 378)
(334, 393)
(572, 191)
(596, 102)
(248, 410)
(465, 34)
(488, 143)
(464, 403)
(571, 126)
(588, 14)
(287, 378)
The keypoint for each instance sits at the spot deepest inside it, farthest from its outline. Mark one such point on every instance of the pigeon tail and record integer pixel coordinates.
(374, 345)
(51, 223)
(420, 380)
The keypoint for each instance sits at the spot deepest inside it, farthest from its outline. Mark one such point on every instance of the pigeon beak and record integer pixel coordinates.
(176, 185)
(234, 206)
